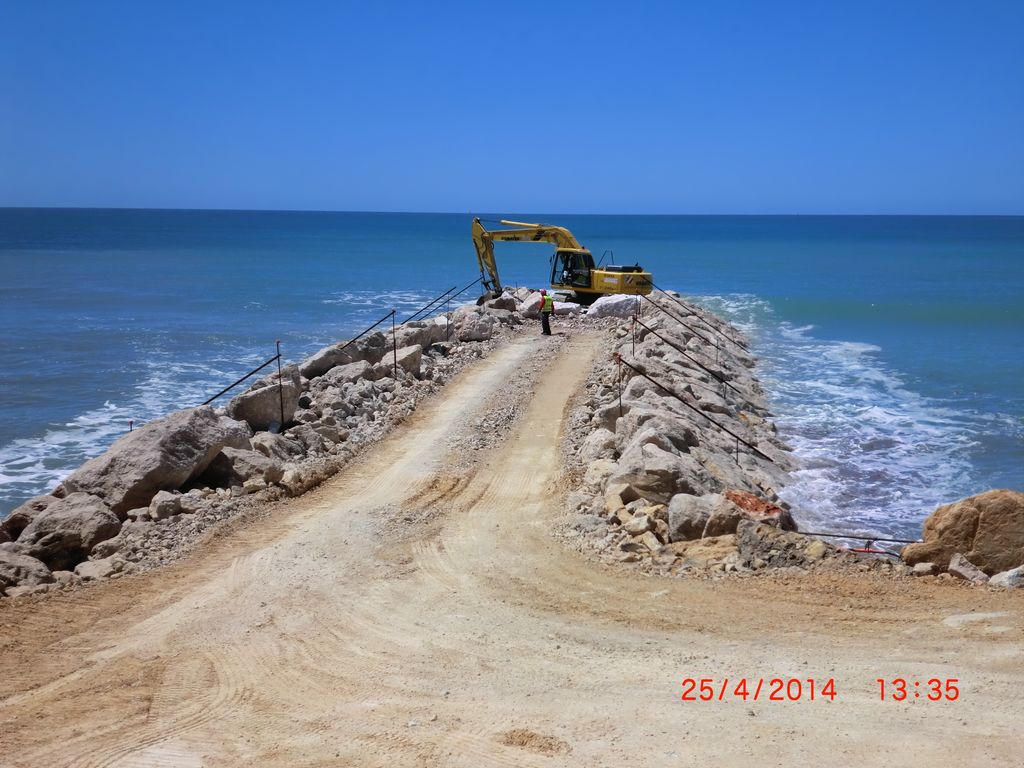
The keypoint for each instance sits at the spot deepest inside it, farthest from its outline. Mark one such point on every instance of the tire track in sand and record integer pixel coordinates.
(330, 644)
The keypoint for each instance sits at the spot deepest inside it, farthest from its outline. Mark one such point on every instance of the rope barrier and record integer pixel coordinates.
(870, 539)
(428, 306)
(687, 355)
(692, 407)
(250, 373)
(679, 320)
(684, 305)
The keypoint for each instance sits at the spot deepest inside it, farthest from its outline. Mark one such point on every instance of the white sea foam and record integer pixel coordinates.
(370, 305)
(875, 456)
(31, 466)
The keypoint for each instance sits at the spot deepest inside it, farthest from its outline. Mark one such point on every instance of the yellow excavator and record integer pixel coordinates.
(572, 265)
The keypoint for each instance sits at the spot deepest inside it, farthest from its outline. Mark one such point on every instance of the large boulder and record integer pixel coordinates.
(233, 467)
(617, 305)
(719, 514)
(475, 327)
(160, 456)
(503, 316)
(600, 444)
(164, 505)
(12, 525)
(988, 529)
(369, 349)
(741, 505)
(410, 358)
(93, 570)
(17, 569)
(267, 402)
(641, 422)
(237, 434)
(421, 333)
(657, 474)
(531, 306)
(505, 301)
(688, 515)
(66, 532)
(349, 373)
(277, 446)
(567, 308)
(310, 439)
(962, 568)
(1012, 579)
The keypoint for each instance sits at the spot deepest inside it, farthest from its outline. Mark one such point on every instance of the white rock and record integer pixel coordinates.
(924, 569)
(963, 568)
(1011, 579)
(618, 305)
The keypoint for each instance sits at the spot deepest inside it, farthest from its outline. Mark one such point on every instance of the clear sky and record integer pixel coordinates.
(631, 107)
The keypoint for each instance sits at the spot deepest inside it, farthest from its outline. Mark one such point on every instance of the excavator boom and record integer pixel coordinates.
(483, 241)
(547, 233)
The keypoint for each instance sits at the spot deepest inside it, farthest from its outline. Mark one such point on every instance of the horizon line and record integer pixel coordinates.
(470, 213)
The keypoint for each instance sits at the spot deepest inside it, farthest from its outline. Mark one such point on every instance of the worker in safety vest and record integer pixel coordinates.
(547, 306)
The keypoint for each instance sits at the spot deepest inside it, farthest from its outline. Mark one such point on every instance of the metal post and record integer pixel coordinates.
(131, 422)
(394, 344)
(618, 362)
(447, 319)
(633, 329)
(280, 383)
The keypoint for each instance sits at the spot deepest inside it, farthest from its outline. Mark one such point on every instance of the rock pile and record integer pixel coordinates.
(680, 462)
(979, 539)
(153, 492)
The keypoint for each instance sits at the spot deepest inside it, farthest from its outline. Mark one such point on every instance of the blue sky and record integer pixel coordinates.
(643, 107)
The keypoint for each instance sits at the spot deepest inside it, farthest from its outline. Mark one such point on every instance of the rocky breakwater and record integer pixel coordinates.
(679, 464)
(150, 496)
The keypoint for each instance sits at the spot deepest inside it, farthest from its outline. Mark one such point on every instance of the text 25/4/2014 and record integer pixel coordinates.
(811, 689)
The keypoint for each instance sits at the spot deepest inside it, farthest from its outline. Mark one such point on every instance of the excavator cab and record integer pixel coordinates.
(571, 268)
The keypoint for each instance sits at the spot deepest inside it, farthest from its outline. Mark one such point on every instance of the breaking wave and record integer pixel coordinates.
(875, 457)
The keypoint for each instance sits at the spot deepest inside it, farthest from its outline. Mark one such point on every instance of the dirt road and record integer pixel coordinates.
(416, 611)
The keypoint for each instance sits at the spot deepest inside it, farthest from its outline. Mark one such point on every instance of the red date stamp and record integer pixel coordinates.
(932, 689)
(813, 689)
(759, 689)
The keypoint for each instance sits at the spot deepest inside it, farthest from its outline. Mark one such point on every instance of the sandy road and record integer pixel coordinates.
(319, 638)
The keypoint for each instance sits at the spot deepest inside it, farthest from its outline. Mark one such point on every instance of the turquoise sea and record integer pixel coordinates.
(892, 347)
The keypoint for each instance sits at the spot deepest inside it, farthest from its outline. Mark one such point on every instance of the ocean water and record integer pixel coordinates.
(892, 347)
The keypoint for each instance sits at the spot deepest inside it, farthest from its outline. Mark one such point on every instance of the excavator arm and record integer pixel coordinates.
(484, 240)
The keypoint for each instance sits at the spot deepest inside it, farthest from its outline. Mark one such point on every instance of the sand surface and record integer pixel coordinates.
(416, 611)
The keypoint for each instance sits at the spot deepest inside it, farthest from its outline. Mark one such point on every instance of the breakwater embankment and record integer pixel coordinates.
(674, 460)
(675, 466)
